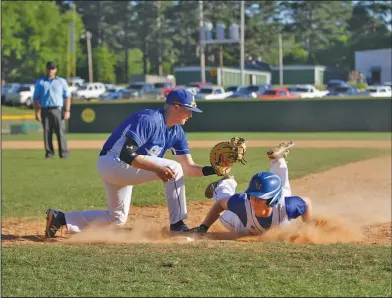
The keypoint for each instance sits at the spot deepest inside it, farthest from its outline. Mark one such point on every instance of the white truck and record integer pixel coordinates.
(307, 91)
(90, 91)
(380, 91)
(212, 92)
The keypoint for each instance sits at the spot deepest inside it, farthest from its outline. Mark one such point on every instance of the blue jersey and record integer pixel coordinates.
(288, 208)
(148, 129)
(51, 92)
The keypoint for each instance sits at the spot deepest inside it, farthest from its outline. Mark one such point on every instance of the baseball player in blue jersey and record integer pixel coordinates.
(265, 203)
(132, 155)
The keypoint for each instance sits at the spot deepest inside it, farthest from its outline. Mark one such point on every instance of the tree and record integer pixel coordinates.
(316, 23)
(34, 33)
(104, 62)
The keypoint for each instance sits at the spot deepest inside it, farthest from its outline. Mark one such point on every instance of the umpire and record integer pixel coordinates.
(52, 104)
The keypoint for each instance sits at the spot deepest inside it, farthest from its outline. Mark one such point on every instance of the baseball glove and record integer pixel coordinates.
(224, 154)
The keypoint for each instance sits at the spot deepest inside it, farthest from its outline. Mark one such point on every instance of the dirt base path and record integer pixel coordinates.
(97, 144)
(352, 204)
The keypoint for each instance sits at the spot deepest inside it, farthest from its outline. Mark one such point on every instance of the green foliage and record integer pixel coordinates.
(104, 63)
(32, 34)
(135, 62)
(151, 37)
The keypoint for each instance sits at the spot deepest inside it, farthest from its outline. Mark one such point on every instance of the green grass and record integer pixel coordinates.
(196, 269)
(227, 135)
(31, 184)
(5, 110)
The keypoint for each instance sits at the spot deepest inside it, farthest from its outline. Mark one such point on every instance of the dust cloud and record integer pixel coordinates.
(346, 201)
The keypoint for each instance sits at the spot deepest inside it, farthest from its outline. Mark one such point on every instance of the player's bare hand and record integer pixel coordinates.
(38, 116)
(165, 174)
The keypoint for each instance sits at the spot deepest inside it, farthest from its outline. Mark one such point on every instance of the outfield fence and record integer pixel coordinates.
(19, 124)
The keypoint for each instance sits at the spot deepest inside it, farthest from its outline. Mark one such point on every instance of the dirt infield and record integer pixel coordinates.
(352, 204)
(96, 144)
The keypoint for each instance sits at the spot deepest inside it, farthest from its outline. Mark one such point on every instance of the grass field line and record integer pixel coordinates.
(97, 144)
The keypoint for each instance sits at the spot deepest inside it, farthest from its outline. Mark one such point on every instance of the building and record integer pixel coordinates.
(375, 65)
(299, 74)
(223, 76)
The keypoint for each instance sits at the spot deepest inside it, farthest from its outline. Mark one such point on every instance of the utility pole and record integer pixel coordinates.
(71, 52)
(158, 3)
(220, 56)
(68, 52)
(280, 60)
(202, 55)
(90, 59)
(242, 42)
(74, 38)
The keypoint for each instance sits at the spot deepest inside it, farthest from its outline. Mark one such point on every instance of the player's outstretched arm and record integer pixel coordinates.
(192, 169)
(212, 215)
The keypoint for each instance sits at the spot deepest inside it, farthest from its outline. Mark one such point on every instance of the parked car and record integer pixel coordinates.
(278, 93)
(110, 86)
(116, 93)
(345, 91)
(7, 88)
(194, 87)
(234, 88)
(240, 92)
(331, 84)
(162, 89)
(259, 89)
(22, 95)
(141, 90)
(75, 84)
(307, 91)
(90, 91)
(212, 92)
(380, 91)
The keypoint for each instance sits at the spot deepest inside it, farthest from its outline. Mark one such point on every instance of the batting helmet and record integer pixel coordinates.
(266, 186)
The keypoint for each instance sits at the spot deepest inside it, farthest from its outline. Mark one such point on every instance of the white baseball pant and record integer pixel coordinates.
(226, 188)
(119, 179)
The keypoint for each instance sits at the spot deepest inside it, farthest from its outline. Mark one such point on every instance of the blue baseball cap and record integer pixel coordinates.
(183, 98)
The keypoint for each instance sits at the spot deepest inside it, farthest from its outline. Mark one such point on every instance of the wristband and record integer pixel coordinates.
(208, 170)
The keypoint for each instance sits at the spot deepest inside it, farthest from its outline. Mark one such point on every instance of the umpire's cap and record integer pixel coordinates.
(50, 65)
(183, 98)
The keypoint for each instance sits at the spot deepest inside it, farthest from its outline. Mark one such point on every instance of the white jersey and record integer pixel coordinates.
(240, 216)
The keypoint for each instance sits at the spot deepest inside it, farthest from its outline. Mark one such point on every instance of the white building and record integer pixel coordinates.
(375, 64)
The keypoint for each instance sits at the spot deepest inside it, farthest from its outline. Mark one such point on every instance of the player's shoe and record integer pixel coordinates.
(282, 150)
(182, 228)
(209, 192)
(52, 223)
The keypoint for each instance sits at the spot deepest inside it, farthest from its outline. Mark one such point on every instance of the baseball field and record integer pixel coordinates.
(346, 253)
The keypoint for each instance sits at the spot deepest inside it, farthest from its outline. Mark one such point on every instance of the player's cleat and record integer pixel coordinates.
(52, 223)
(181, 228)
(209, 192)
(282, 150)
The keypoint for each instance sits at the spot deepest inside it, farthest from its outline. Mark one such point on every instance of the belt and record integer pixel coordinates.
(51, 108)
(103, 152)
